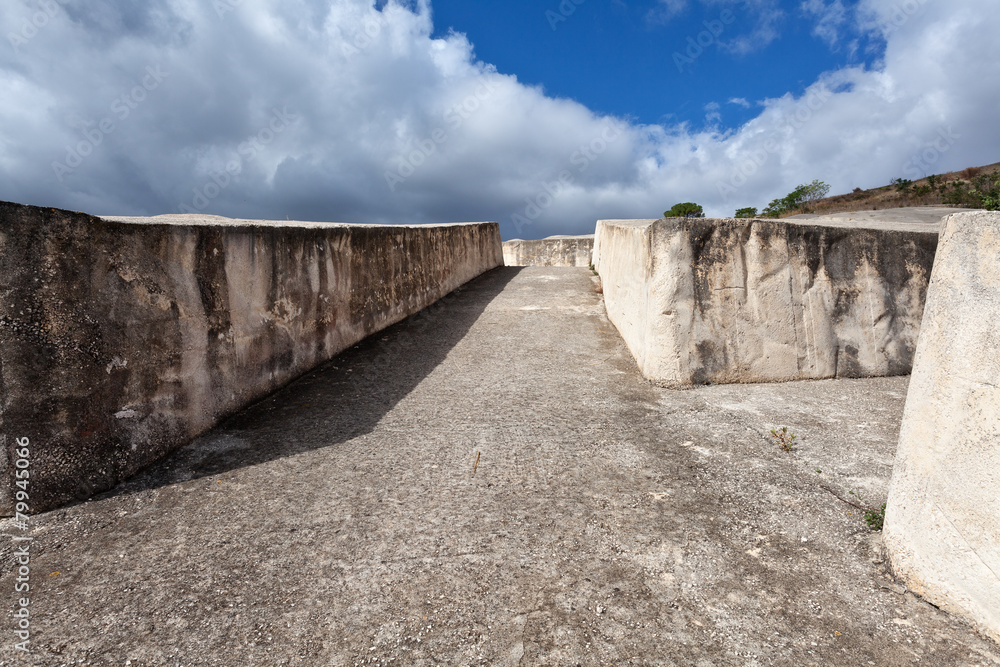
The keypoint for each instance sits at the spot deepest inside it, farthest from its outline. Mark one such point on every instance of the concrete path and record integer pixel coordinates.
(609, 522)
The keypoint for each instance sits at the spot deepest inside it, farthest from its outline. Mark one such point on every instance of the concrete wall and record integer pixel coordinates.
(942, 526)
(552, 251)
(721, 301)
(121, 340)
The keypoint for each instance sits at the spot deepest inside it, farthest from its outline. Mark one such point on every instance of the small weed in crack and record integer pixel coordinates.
(784, 438)
(875, 517)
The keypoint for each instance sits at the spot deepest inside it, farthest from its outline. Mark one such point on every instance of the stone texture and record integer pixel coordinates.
(552, 251)
(907, 218)
(122, 339)
(720, 301)
(942, 526)
(610, 522)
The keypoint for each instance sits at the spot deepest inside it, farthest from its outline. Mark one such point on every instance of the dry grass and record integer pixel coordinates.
(921, 193)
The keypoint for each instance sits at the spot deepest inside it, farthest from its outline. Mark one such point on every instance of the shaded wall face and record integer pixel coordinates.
(120, 342)
(549, 252)
(722, 301)
(942, 523)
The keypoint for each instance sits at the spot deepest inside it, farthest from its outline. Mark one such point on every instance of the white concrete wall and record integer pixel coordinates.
(626, 243)
(122, 339)
(721, 301)
(552, 251)
(942, 527)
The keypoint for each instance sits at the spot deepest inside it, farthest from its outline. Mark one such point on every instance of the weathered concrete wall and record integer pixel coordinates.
(942, 524)
(551, 251)
(121, 340)
(719, 301)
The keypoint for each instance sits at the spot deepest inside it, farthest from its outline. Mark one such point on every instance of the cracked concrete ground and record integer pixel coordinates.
(345, 520)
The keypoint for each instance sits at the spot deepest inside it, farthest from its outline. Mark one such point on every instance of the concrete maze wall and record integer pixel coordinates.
(123, 340)
(942, 524)
(750, 301)
(552, 251)
(723, 301)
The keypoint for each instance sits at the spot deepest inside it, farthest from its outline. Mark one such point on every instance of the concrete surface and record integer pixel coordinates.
(727, 301)
(551, 251)
(122, 340)
(905, 219)
(609, 522)
(943, 520)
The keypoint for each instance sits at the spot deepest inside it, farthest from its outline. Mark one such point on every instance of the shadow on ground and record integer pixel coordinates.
(495, 484)
(347, 396)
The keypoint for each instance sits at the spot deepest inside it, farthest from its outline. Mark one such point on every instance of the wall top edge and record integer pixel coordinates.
(916, 226)
(639, 222)
(205, 220)
(557, 237)
(188, 220)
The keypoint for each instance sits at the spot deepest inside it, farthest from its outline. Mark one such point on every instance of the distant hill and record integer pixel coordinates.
(951, 189)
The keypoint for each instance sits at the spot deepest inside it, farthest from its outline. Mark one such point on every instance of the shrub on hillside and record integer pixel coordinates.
(987, 188)
(983, 191)
(902, 184)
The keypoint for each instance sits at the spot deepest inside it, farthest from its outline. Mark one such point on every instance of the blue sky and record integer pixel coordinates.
(620, 58)
(424, 111)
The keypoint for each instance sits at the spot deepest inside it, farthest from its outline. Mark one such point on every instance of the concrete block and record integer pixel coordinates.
(721, 301)
(551, 251)
(122, 339)
(942, 525)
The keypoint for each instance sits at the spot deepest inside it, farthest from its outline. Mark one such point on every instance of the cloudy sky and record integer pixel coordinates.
(544, 115)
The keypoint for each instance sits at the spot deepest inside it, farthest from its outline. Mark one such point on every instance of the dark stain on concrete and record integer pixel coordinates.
(610, 522)
(117, 340)
(849, 260)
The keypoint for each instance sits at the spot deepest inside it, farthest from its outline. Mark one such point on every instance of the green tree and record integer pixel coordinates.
(812, 192)
(797, 199)
(686, 209)
(902, 184)
(749, 212)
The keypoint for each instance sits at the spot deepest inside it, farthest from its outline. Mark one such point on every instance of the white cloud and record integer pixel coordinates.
(666, 10)
(830, 19)
(762, 16)
(740, 101)
(713, 113)
(767, 16)
(311, 103)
